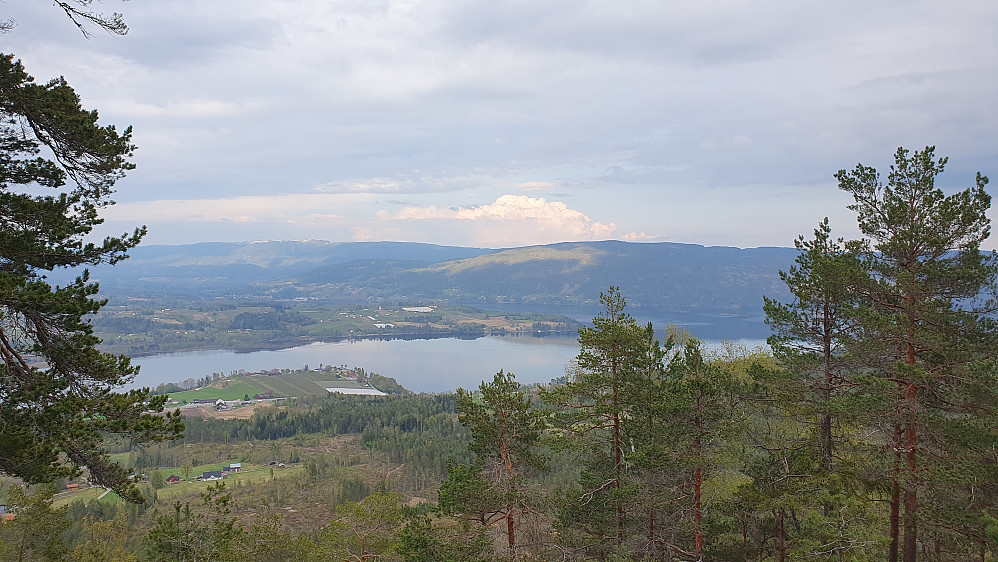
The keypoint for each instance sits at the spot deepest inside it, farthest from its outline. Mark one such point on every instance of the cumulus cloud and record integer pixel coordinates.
(512, 219)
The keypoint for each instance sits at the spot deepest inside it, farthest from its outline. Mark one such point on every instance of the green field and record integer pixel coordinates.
(250, 474)
(233, 391)
(278, 386)
(293, 384)
(86, 496)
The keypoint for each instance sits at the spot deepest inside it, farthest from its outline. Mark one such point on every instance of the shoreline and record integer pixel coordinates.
(307, 340)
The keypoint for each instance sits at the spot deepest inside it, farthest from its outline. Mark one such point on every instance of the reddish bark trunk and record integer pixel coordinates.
(892, 552)
(911, 489)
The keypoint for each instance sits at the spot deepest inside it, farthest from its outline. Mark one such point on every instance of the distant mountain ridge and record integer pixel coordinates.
(664, 276)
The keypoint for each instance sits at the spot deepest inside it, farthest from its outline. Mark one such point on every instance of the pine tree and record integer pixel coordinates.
(57, 398)
(504, 435)
(589, 411)
(702, 409)
(810, 333)
(928, 290)
(649, 455)
(806, 424)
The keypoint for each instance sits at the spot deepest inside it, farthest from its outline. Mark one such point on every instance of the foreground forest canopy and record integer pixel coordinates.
(868, 432)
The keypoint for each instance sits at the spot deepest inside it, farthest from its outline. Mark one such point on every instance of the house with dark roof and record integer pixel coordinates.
(211, 475)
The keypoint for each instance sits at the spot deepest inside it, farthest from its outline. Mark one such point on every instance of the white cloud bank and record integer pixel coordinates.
(511, 220)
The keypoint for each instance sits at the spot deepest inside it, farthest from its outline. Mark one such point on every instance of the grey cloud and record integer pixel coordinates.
(170, 37)
(448, 99)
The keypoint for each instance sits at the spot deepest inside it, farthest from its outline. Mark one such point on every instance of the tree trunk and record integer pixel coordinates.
(510, 532)
(826, 394)
(617, 451)
(697, 486)
(781, 543)
(910, 488)
(652, 546)
(892, 553)
(507, 461)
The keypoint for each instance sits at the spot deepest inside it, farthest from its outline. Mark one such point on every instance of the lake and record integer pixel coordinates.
(431, 365)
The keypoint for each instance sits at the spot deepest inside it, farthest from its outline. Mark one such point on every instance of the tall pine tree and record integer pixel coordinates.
(590, 410)
(927, 293)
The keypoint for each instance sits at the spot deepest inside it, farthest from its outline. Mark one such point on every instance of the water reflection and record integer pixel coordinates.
(424, 365)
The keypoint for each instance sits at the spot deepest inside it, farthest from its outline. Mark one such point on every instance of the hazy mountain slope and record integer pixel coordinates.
(668, 276)
(286, 255)
(663, 276)
(211, 269)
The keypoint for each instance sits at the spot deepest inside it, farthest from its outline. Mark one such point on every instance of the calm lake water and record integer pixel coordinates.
(433, 365)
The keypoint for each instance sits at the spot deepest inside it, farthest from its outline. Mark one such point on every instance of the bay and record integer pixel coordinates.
(424, 365)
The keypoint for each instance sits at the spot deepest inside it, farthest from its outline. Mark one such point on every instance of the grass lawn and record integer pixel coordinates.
(248, 475)
(86, 496)
(124, 459)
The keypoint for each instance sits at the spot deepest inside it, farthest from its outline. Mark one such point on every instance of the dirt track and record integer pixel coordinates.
(209, 412)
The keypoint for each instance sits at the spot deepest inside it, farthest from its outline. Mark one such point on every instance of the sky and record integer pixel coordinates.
(513, 122)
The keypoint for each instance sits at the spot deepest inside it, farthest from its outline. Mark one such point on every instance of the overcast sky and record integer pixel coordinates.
(506, 123)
